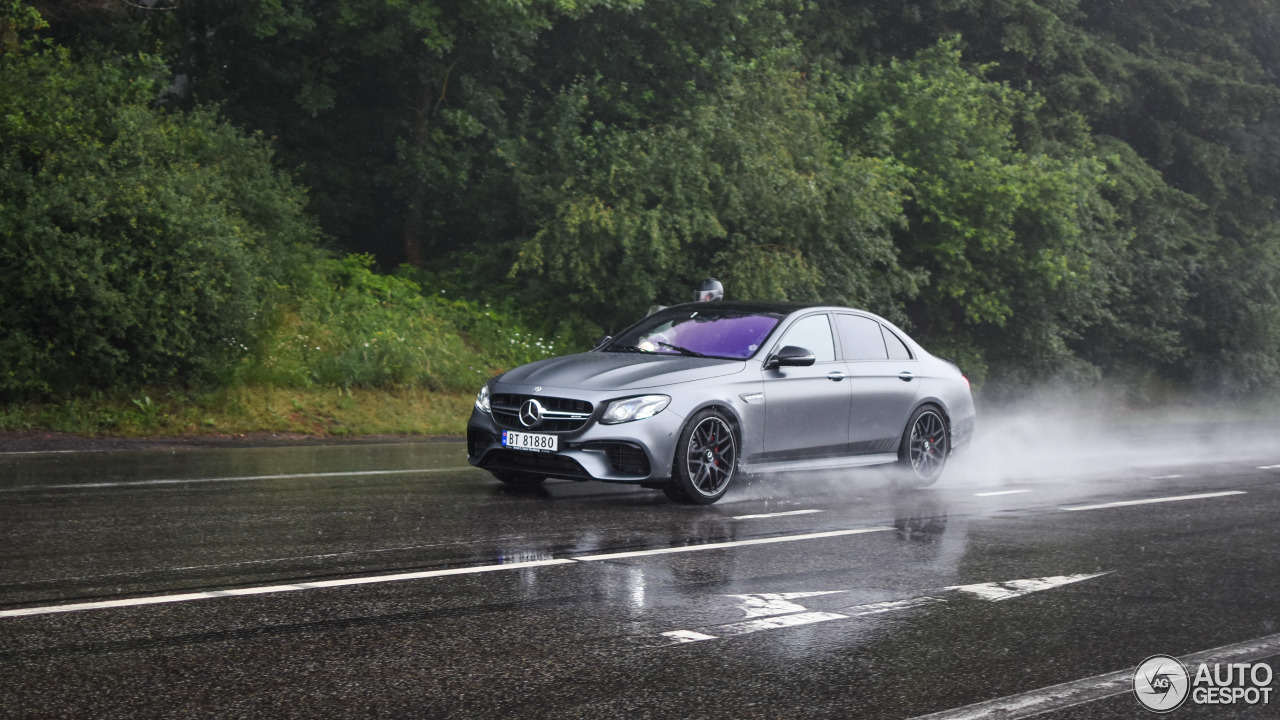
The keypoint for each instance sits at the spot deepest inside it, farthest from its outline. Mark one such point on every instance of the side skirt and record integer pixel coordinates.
(837, 463)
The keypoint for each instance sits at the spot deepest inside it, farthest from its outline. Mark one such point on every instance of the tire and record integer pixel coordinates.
(925, 447)
(518, 479)
(674, 493)
(706, 459)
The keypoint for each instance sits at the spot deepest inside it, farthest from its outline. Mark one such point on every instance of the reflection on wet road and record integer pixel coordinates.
(395, 580)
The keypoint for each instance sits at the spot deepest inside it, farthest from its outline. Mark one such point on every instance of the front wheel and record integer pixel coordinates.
(926, 443)
(706, 459)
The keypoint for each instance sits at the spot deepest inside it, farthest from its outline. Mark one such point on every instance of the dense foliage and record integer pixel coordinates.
(1040, 188)
(135, 246)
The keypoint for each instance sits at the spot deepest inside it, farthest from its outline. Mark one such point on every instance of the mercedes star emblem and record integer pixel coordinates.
(530, 413)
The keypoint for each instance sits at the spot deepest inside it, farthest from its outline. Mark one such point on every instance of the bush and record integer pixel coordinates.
(136, 246)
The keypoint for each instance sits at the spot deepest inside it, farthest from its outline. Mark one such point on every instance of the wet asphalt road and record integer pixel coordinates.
(597, 601)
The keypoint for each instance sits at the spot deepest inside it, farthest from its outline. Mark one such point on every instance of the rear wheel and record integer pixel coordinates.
(518, 479)
(706, 459)
(926, 444)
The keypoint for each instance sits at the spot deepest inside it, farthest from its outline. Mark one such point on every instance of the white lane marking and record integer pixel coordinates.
(747, 627)
(889, 606)
(1155, 500)
(367, 580)
(762, 604)
(1001, 492)
(998, 591)
(197, 447)
(1099, 687)
(267, 561)
(734, 543)
(237, 478)
(777, 514)
(1270, 467)
(1166, 477)
(687, 636)
(795, 614)
(267, 589)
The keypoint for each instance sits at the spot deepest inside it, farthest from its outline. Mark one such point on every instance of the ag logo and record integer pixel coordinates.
(1160, 683)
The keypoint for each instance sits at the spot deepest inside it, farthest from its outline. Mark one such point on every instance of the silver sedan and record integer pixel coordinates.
(694, 395)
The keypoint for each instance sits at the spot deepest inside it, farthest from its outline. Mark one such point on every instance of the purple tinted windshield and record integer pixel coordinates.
(727, 335)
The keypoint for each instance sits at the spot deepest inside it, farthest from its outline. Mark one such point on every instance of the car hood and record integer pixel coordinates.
(619, 371)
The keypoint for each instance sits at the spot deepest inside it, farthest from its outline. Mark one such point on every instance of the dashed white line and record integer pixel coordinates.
(1269, 467)
(1166, 477)
(235, 478)
(777, 514)
(1149, 501)
(1001, 492)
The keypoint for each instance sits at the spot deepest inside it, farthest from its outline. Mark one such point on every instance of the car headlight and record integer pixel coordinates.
(482, 400)
(637, 408)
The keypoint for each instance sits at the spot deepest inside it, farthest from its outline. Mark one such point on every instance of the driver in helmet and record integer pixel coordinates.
(710, 290)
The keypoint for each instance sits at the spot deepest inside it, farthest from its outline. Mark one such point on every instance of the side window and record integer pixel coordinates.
(812, 333)
(860, 337)
(897, 349)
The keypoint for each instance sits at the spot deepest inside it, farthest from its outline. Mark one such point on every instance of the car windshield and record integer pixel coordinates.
(703, 332)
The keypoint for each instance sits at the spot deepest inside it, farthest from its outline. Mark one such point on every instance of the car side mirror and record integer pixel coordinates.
(790, 356)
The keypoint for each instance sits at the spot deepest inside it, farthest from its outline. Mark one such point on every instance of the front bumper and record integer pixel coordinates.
(638, 452)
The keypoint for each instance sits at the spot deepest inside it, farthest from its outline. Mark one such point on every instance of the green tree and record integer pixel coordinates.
(1182, 98)
(748, 185)
(995, 228)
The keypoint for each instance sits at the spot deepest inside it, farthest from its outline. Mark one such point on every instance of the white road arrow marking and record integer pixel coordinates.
(764, 604)
(771, 611)
(998, 591)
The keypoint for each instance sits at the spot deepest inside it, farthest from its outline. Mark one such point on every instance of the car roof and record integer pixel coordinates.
(759, 306)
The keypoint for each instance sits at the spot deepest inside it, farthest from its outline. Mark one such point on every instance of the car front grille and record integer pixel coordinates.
(547, 464)
(558, 414)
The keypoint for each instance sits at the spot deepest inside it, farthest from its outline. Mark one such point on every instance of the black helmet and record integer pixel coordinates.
(711, 289)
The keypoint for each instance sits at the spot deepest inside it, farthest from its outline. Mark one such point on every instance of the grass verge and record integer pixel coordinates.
(325, 412)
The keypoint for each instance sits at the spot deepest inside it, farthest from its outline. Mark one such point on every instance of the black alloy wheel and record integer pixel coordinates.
(706, 459)
(926, 443)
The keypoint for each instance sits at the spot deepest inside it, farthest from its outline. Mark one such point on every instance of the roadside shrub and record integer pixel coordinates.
(136, 246)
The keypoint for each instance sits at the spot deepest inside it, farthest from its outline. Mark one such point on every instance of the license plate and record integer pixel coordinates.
(530, 441)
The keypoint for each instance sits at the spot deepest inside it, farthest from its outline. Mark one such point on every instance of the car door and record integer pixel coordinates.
(883, 388)
(807, 408)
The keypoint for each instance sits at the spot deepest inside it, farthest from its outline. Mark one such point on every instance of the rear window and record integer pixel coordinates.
(860, 338)
(897, 349)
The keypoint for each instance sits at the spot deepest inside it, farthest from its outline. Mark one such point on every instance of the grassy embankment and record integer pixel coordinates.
(247, 409)
(352, 352)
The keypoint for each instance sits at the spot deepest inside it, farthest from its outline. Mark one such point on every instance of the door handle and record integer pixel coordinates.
(906, 376)
(835, 375)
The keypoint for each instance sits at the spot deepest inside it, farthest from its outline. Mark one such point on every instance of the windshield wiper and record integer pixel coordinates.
(677, 348)
(625, 348)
